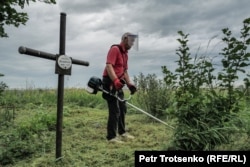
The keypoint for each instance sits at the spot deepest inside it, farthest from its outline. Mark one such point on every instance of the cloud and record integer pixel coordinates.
(85, 6)
(92, 26)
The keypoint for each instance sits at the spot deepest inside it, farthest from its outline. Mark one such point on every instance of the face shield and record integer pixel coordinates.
(133, 41)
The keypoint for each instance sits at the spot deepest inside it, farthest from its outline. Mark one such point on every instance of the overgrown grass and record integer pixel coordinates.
(29, 139)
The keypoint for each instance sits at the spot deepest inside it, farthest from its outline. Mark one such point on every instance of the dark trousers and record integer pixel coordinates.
(116, 118)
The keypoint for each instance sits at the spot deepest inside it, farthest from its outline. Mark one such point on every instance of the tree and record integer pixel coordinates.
(10, 16)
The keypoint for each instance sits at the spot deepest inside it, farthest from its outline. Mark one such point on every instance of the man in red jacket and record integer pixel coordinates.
(115, 75)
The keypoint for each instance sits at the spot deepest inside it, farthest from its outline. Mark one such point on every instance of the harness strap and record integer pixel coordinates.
(122, 52)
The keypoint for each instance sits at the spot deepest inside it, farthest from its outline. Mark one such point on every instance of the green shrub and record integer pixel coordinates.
(3, 86)
(153, 95)
(205, 116)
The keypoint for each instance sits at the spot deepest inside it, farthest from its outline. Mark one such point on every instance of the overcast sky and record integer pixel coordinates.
(94, 25)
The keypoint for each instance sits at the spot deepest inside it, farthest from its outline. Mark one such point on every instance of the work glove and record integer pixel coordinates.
(132, 88)
(117, 83)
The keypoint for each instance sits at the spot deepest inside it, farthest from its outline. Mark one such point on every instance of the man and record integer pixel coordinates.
(115, 75)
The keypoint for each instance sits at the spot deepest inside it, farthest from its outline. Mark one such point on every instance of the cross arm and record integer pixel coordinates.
(41, 54)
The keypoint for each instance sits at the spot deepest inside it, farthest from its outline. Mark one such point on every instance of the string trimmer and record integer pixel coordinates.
(95, 85)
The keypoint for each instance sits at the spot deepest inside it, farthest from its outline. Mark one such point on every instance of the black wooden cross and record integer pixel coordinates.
(63, 67)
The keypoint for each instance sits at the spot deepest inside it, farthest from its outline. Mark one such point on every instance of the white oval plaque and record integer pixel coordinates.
(64, 62)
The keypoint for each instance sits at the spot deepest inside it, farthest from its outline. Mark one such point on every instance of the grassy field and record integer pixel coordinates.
(28, 139)
(84, 131)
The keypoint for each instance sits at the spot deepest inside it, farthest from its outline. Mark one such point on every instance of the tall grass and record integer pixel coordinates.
(22, 97)
(38, 97)
(82, 98)
(29, 140)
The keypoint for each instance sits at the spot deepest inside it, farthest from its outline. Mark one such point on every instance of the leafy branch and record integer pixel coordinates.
(10, 16)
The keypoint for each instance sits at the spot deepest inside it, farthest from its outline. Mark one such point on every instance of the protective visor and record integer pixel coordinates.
(133, 41)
